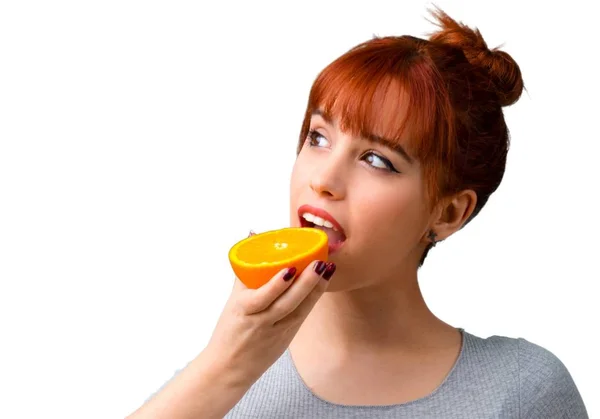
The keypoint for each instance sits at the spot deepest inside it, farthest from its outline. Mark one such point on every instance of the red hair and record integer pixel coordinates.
(445, 92)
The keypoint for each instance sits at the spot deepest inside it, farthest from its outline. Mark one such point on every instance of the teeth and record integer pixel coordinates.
(319, 221)
(308, 217)
(311, 218)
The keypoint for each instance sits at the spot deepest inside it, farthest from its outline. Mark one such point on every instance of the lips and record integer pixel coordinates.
(325, 222)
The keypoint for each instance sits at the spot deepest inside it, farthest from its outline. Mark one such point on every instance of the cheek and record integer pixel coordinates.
(297, 185)
(297, 178)
(391, 216)
(300, 173)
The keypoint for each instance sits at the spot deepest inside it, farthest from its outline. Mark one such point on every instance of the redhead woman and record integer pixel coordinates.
(402, 144)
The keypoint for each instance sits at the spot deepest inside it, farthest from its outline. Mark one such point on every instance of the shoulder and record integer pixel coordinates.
(537, 363)
(546, 385)
(494, 351)
(543, 385)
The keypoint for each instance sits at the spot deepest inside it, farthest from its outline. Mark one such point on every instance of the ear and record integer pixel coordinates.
(452, 213)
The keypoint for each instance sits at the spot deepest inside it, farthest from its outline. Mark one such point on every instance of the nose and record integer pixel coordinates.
(328, 179)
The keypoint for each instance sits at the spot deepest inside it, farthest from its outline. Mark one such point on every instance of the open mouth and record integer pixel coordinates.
(318, 218)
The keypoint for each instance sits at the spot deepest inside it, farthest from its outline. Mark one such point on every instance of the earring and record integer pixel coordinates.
(431, 236)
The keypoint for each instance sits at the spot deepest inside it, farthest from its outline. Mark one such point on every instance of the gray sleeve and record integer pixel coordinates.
(547, 389)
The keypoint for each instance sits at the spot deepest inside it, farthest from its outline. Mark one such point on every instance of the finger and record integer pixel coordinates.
(311, 284)
(304, 308)
(257, 300)
(238, 285)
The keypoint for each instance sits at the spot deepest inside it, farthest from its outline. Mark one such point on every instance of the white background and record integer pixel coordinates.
(140, 140)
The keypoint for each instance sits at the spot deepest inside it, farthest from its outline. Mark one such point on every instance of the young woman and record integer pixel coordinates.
(402, 144)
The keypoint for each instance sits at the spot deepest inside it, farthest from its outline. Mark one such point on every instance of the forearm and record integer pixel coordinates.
(205, 389)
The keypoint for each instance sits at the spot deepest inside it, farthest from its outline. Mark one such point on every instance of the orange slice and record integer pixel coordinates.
(256, 259)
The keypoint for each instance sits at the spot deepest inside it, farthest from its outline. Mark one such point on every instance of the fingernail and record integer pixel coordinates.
(289, 274)
(320, 267)
(329, 270)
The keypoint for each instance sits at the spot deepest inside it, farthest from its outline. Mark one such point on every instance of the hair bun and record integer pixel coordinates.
(502, 69)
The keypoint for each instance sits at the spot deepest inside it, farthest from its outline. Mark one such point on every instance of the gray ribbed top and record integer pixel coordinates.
(496, 377)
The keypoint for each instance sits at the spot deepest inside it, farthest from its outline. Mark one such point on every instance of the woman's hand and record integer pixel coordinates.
(257, 325)
(255, 328)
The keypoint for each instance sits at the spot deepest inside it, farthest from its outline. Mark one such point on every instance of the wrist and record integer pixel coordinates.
(226, 370)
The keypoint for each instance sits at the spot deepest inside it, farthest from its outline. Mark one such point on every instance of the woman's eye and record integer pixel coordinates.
(379, 162)
(316, 139)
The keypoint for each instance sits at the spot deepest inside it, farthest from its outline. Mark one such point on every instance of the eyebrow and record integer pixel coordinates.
(392, 145)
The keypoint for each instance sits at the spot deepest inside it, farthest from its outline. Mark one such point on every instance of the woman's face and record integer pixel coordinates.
(375, 197)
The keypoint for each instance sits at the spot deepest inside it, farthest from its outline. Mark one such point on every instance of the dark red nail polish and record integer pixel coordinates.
(329, 271)
(291, 272)
(320, 267)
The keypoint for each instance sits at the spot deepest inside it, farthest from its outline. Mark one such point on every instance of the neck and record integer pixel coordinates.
(391, 316)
